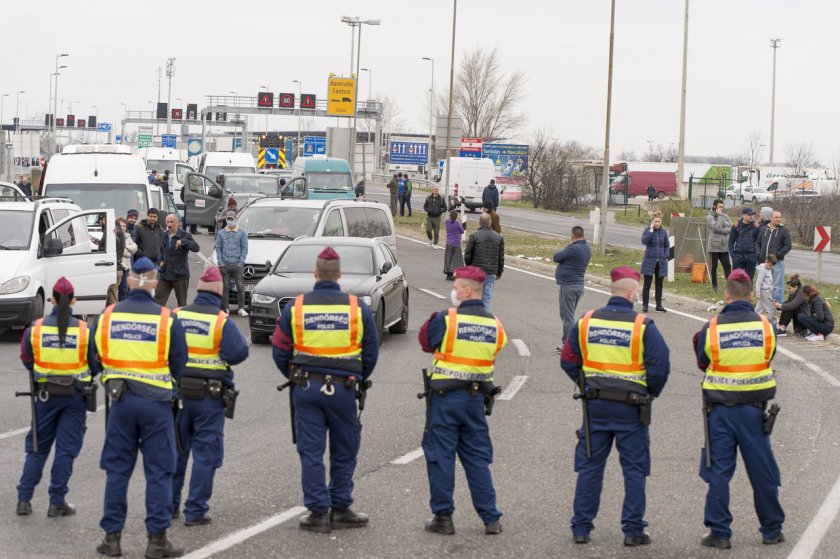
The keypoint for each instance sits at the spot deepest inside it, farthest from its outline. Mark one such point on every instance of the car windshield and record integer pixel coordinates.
(282, 222)
(15, 229)
(300, 259)
(161, 165)
(252, 185)
(213, 172)
(121, 197)
(330, 182)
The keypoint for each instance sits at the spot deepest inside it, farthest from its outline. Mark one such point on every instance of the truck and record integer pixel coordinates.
(467, 178)
(633, 178)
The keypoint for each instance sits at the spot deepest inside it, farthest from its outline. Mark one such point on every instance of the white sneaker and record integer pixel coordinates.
(242, 312)
(815, 338)
(430, 243)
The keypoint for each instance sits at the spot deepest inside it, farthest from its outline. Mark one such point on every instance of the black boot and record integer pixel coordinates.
(110, 546)
(441, 525)
(24, 508)
(160, 547)
(346, 518)
(315, 522)
(61, 509)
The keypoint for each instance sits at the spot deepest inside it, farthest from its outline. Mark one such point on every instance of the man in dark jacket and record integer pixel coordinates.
(743, 243)
(148, 235)
(392, 202)
(486, 250)
(571, 269)
(775, 239)
(434, 206)
(173, 263)
(491, 194)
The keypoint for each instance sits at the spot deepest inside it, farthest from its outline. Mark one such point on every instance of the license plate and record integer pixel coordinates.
(250, 286)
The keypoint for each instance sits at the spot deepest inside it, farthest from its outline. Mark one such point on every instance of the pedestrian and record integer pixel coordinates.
(408, 187)
(138, 378)
(744, 243)
(738, 384)
(25, 187)
(655, 261)
(621, 363)
(775, 239)
(152, 176)
(393, 186)
(131, 246)
(793, 308)
(164, 183)
(56, 351)
(818, 319)
(434, 206)
(460, 391)
(359, 191)
(312, 357)
(231, 206)
(101, 242)
(569, 275)
(764, 292)
(131, 220)
(486, 250)
(651, 192)
(495, 223)
(718, 225)
(120, 242)
(453, 258)
(173, 263)
(766, 213)
(401, 193)
(148, 235)
(231, 252)
(490, 194)
(208, 394)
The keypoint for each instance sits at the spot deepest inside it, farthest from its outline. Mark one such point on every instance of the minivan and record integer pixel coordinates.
(215, 163)
(325, 178)
(467, 178)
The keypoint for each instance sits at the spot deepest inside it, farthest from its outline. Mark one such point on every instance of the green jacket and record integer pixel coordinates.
(407, 187)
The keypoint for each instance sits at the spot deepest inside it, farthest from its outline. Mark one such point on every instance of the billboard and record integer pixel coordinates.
(511, 161)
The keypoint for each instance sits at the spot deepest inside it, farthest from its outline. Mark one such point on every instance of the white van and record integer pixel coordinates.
(165, 159)
(214, 163)
(467, 178)
(99, 176)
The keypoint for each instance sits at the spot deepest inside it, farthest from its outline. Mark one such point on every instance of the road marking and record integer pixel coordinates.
(432, 293)
(819, 525)
(15, 433)
(246, 533)
(511, 389)
(408, 458)
(521, 347)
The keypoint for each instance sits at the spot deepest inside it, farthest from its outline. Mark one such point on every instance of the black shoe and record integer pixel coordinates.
(175, 514)
(634, 541)
(773, 541)
(450, 277)
(493, 528)
(660, 308)
(315, 522)
(160, 547)
(24, 508)
(580, 538)
(711, 540)
(110, 546)
(203, 521)
(645, 308)
(441, 525)
(61, 509)
(341, 519)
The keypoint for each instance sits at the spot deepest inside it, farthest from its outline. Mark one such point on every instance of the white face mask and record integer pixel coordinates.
(231, 223)
(453, 296)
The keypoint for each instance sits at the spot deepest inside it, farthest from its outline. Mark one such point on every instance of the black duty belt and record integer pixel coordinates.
(474, 387)
(632, 398)
(302, 378)
(759, 405)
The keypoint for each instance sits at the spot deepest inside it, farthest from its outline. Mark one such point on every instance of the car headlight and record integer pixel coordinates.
(14, 285)
(262, 299)
(367, 299)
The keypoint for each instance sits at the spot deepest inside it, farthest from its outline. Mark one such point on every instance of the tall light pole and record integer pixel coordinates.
(170, 71)
(370, 80)
(605, 179)
(55, 100)
(681, 153)
(431, 105)
(356, 22)
(2, 140)
(449, 112)
(774, 44)
(300, 94)
(17, 107)
(235, 100)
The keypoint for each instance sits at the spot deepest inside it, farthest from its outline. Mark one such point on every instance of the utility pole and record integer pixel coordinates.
(170, 71)
(449, 113)
(774, 44)
(158, 103)
(681, 155)
(605, 179)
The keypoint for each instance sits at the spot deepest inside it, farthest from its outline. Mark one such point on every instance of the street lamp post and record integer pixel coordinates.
(3, 153)
(775, 44)
(17, 108)
(357, 22)
(449, 113)
(235, 100)
(605, 179)
(55, 100)
(170, 71)
(431, 105)
(300, 94)
(370, 80)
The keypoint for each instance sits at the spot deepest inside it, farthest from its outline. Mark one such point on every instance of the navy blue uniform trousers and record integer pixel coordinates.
(457, 425)
(201, 424)
(61, 419)
(315, 415)
(138, 423)
(731, 428)
(608, 422)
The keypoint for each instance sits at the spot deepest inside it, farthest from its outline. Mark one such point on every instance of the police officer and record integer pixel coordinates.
(624, 362)
(327, 343)
(735, 349)
(465, 341)
(56, 351)
(206, 387)
(140, 349)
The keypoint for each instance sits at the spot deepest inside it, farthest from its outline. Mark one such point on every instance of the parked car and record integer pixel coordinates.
(757, 194)
(369, 269)
(806, 194)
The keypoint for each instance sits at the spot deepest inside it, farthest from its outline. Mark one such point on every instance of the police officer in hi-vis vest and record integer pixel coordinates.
(214, 343)
(620, 362)
(56, 350)
(465, 341)
(735, 349)
(140, 349)
(326, 342)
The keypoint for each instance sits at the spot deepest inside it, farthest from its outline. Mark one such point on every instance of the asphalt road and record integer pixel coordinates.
(547, 223)
(257, 490)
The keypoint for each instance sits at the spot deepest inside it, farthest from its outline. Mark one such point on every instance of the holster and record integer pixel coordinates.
(89, 391)
(229, 396)
(770, 418)
(60, 386)
(116, 388)
(192, 388)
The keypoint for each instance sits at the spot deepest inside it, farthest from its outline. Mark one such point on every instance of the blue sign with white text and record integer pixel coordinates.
(314, 145)
(408, 153)
(104, 127)
(169, 140)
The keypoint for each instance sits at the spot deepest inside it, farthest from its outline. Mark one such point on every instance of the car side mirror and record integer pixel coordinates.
(53, 247)
(268, 264)
(386, 267)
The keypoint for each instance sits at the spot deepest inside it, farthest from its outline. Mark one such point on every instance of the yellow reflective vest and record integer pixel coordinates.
(50, 359)
(469, 348)
(203, 332)
(327, 335)
(613, 351)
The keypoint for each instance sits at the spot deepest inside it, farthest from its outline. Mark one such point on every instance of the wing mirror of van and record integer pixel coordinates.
(386, 267)
(53, 247)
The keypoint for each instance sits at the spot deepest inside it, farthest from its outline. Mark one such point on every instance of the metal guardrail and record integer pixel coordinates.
(384, 177)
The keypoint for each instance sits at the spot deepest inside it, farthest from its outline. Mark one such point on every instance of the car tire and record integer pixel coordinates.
(380, 320)
(401, 327)
(259, 338)
(37, 308)
(660, 195)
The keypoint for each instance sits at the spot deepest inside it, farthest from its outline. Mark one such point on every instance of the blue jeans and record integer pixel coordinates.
(487, 291)
(811, 324)
(779, 281)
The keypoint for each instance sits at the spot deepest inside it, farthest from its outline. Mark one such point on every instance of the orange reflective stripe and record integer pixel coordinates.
(465, 360)
(499, 333)
(715, 347)
(715, 343)
(354, 326)
(618, 367)
(452, 332)
(81, 346)
(163, 335)
(740, 368)
(36, 338)
(217, 338)
(298, 320)
(105, 331)
(83, 341)
(583, 335)
(636, 342)
(768, 339)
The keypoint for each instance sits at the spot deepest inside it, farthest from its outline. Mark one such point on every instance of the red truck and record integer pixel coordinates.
(663, 177)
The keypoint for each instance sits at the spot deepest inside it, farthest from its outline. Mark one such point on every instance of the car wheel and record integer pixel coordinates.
(660, 195)
(259, 338)
(401, 327)
(380, 320)
(38, 307)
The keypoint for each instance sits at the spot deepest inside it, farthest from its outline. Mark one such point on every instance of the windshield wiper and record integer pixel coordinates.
(4, 247)
(272, 235)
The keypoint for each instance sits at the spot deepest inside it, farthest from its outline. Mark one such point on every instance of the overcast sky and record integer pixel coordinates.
(561, 45)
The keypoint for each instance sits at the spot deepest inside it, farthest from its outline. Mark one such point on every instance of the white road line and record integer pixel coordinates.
(408, 458)
(810, 540)
(15, 433)
(511, 389)
(521, 347)
(432, 293)
(246, 533)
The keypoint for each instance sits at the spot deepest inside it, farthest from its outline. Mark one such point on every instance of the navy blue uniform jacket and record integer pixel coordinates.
(26, 355)
(742, 307)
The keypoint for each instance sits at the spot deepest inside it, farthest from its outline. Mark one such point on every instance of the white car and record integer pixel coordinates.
(757, 194)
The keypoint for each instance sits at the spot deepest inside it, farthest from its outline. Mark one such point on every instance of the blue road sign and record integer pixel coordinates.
(237, 143)
(408, 153)
(194, 147)
(271, 156)
(314, 145)
(104, 127)
(169, 140)
(118, 138)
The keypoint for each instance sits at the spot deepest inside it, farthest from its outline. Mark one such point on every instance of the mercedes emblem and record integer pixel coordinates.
(249, 272)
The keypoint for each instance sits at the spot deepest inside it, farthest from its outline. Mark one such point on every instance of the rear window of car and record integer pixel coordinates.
(367, 222)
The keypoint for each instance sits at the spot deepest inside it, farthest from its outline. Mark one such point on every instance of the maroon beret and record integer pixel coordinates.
(473, 273)
(329, 254)
(624, 272)
(739, 275)
(63, 286)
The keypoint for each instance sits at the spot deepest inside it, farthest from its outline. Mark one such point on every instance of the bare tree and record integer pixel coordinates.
(835, 165)
(752, 147)
(556, 178)
(626, 155)
(801, 155)
(391, 117)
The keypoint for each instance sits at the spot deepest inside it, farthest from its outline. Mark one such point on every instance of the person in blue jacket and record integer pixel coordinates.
(655, 261)
(491, 194)
(618, 379)
(214, 343)
(744, 243)
(327, 343)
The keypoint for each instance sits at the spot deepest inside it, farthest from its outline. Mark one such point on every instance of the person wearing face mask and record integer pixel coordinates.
(465, 341)
(231, 251)
(620, 362)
